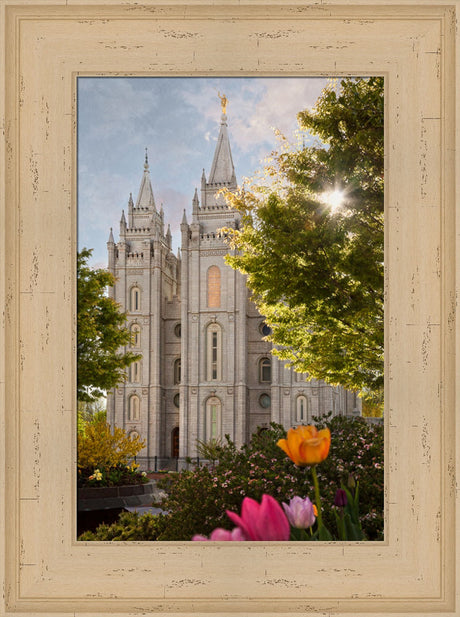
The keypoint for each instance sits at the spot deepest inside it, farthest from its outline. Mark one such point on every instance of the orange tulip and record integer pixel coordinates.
(305, 445)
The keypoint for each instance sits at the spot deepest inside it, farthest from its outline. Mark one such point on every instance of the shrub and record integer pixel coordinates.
(103, 454)
(129, 526)
(198, 499)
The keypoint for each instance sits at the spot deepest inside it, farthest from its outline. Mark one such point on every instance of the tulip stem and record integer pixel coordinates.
(317, 496)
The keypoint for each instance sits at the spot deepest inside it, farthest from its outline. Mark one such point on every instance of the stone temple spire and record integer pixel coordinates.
(145, 197)
(222, 170)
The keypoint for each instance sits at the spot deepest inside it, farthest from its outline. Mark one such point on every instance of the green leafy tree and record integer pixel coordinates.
(101, 333)
(315, 270)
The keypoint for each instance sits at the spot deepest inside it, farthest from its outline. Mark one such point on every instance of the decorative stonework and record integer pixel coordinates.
(213, 253)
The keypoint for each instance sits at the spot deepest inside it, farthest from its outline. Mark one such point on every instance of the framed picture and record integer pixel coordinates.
(45, 48)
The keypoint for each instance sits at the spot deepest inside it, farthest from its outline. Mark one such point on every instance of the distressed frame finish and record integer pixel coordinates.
(44, 47)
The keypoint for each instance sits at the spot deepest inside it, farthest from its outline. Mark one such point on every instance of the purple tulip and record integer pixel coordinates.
(222, 535)
(300, 512)
(340, 499)
(265, 521)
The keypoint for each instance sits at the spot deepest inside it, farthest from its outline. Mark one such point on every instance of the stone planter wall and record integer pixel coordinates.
(112, 497)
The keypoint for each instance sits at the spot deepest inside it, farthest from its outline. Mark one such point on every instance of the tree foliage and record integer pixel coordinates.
(101, 333)
(316, 273)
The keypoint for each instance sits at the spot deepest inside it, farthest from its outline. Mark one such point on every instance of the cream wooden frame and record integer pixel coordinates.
(44, 46)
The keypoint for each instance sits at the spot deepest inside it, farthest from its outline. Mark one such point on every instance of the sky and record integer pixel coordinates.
(177, 119)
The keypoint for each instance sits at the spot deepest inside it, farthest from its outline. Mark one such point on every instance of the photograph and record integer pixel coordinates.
(229, 329)
(230, 321)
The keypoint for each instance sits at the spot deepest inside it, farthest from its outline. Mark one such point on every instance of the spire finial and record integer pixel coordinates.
(146, 164)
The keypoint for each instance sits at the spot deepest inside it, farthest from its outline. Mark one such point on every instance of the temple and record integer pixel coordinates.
(206, 370)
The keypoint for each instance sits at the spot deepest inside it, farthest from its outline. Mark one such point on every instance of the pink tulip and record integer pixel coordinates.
(265, 521)
(222, 535)
(300, 512)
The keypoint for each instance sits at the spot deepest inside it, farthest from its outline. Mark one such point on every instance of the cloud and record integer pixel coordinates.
(178, 119)
(256, 108)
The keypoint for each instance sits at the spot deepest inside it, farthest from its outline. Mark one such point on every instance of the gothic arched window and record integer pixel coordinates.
(177, 371)
(214, 352)
(135, 335)
(135, 299)
(213, 287)
(213, 418)
(134, 408)
(135, 372)
(301, 409)
(265, 370)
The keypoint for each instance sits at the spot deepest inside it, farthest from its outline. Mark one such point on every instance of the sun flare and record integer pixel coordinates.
(334, 199)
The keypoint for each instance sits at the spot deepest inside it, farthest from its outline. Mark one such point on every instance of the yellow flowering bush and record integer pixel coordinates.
(101, 448)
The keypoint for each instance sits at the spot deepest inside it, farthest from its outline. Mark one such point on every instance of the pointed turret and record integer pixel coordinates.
(222, 170)
(168, 236)
(195, 203)
(111, 258)
(130, 211)
(123, 226)
(145, 197)
(184, 219)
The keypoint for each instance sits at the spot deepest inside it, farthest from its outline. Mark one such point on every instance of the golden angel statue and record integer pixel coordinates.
(223, 102)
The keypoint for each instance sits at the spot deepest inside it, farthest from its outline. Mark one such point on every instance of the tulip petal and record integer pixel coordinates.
(307, 432)
(272, 524)
(325, 434)
(294, 440)
(283, 444)
(310, 452)
(249, 514)
(235, 518)
(237, 535)
(220, 534)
